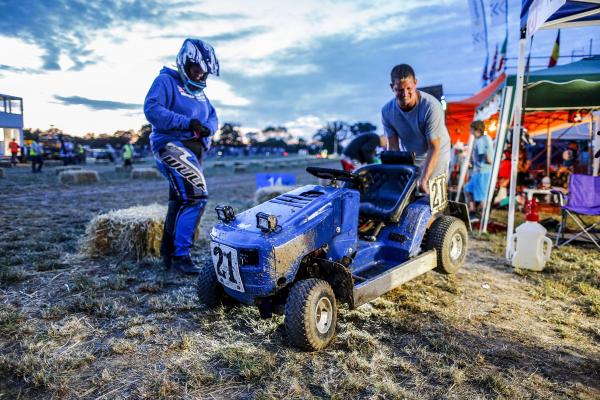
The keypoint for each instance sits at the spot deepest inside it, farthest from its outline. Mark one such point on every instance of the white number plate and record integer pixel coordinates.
(438, 194)
(226, 266)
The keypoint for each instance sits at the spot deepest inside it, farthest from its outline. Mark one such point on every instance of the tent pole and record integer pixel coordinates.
(516, 141)
(590, 168)
(499, 143)
(548, 149)
(464, 166)
(596, 161)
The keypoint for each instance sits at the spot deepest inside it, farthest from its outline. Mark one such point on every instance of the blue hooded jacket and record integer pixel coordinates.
(169, 108)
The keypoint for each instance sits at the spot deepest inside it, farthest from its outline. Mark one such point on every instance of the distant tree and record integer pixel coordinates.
(362, 127)
(230, 135)
(332, 134)
(29, 134)
(252, 138)
(144, 135)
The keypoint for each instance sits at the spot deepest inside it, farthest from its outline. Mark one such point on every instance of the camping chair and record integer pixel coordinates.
(583, 199)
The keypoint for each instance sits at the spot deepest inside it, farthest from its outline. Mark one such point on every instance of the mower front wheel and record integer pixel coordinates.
(208, 289)
(311, 314)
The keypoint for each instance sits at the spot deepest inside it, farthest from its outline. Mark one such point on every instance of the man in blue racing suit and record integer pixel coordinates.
(183, 121)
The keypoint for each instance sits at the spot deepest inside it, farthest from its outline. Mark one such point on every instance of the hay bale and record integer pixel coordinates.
(134, 231)
(5, 164)
(145, 173)
(240, 168)
(219, 165)
(53, 163)
(2, 174)
(267, 193)
(58, 170)
(78, 177)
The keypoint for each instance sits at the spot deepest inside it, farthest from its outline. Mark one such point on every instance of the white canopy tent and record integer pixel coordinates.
(539, 14)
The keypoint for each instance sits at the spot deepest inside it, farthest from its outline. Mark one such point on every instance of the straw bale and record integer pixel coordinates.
(58, 170)
(53, 163)
(135, 232)
(102, 161)
(269, 192)
(2, 174)
(145, 173)
(78, 177)
(219, 165)
(240, 168)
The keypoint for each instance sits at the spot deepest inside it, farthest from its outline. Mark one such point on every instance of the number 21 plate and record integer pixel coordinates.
(225, 260)
(438, 194)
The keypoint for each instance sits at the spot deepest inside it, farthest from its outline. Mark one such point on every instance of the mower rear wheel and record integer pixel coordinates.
(311, 314)
(449, 237)
(208, 289)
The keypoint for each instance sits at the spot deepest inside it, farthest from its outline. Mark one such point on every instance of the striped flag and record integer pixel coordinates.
(484, 76)
(492, 74)
(554, 56)
(502, 61)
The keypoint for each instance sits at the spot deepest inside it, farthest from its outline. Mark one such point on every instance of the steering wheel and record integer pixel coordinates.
(359, 181)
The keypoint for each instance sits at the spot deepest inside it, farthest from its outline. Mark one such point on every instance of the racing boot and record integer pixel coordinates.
(167, 245)
(185, 264)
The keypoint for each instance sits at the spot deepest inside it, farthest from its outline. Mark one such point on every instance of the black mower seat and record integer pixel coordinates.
(389, 191)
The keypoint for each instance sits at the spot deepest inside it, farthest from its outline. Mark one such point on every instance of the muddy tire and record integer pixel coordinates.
(449, 237)
(311, 314)
(208, 289)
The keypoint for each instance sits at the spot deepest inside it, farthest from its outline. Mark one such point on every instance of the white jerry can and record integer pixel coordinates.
(527, 246)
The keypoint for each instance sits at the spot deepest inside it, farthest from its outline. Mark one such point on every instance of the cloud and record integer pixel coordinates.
(18, 70)
(96, 104)
(236, 35)
(69, 27)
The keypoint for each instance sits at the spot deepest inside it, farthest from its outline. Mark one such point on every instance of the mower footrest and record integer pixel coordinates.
(393, 277)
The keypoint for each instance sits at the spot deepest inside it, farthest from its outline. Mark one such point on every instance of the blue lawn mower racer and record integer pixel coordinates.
(306, 250)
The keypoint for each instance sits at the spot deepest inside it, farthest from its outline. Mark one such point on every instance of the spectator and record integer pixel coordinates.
(14, 151)
(476, 187)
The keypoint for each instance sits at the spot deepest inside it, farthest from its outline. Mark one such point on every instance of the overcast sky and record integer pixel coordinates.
(87, 66)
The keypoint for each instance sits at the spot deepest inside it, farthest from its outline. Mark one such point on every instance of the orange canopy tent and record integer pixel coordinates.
(459, 114)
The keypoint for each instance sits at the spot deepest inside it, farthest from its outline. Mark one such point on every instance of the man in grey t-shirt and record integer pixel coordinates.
(414, 121)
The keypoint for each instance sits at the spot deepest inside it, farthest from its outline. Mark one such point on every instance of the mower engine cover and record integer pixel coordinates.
(253, 263)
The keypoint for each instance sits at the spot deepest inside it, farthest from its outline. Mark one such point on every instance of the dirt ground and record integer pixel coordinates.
(114, 328)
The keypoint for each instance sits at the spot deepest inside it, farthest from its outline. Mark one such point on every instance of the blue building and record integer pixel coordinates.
(11, 121)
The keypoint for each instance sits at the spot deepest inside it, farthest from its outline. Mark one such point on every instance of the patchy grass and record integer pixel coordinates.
(72, 327)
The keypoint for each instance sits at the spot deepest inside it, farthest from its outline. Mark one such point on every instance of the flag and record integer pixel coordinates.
(479, 28)
(498, 12)
(554, 56)
(502, 61)
(484, 77)
(492, 74)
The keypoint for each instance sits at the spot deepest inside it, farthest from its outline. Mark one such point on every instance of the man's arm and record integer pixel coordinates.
(393, 144)
(430, 163)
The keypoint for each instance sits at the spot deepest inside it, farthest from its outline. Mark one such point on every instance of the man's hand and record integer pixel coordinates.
(199, 130)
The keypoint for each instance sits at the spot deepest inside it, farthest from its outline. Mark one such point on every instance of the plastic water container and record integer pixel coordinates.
(528, 242)
(527, 246)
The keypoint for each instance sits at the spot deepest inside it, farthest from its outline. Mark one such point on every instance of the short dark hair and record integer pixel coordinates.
(402, 71)
(478, 126)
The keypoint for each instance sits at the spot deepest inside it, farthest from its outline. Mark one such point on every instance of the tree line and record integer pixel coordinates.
(327, 137)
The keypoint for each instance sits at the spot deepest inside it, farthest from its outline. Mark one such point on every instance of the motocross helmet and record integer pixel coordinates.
(195, 51)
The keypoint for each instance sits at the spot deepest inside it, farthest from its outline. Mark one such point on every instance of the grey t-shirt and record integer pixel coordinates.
(414, 128)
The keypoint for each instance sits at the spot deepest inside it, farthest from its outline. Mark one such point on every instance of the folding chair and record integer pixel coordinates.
(583, 199)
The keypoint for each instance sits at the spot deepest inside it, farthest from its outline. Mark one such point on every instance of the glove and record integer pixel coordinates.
(199, 130)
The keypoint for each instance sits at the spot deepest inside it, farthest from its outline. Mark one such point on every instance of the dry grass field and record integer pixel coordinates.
(113, 328)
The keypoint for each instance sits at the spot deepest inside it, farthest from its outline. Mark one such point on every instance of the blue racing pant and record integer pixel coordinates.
(187, 197)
